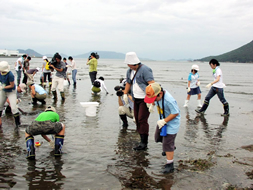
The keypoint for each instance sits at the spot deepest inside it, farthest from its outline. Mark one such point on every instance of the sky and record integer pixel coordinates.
(154, 29)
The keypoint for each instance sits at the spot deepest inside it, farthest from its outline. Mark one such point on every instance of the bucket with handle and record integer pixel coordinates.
(90, 108)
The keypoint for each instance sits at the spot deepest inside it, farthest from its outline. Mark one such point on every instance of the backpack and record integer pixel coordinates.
(96, 84)
(47, 66)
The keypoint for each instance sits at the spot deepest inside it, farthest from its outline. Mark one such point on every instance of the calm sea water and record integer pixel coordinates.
(99, 155)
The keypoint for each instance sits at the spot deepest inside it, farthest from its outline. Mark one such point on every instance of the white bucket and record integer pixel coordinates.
(65, 83)
(90, 108)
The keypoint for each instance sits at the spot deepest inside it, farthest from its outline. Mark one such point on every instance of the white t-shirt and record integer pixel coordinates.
(17, 63)
(73, 64)
(220, 83)
(137, 91)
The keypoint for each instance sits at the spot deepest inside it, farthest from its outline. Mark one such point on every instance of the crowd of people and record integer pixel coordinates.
(138, 94)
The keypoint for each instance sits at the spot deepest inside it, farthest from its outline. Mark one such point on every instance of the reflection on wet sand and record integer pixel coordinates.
(45, 178)
(131, 166)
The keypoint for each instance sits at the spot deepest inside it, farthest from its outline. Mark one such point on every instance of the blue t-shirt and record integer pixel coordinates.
(6, 79)
(171, 107)
(39, 89)
(194, 79)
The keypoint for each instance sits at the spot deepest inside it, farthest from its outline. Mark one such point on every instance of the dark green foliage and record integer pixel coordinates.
(243, 54)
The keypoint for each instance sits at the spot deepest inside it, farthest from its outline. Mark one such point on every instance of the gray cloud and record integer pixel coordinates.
(156, 29)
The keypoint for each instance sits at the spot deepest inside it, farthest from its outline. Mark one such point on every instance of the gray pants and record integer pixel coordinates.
(12, 96)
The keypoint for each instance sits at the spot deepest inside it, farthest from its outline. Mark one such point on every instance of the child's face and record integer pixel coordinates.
(159, 96)
(212, 66)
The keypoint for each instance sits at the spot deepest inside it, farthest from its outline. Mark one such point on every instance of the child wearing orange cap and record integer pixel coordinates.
(169, 120)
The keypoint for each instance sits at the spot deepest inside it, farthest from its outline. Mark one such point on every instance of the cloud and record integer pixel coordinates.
(156, 29)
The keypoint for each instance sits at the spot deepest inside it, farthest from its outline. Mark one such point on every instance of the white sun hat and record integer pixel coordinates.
(4, 66)
(195, 67)
(44, 57)
(131, 58)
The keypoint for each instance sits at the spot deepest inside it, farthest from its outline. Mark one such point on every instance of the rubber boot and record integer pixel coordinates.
(44, 85)
(17, 119)
(226, 110)
(169, 168)
(34, 102)
(186, 103)
(143, 144)
(124, 119)
(69, 82)
(30, 148)
(74, 84)
(50, 85)
(59, 139)
(55, 95)
(203, 108)
(199, 104)
(62, 96)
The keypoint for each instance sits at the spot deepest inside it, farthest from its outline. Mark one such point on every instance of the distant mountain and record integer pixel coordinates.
(243, 54)
(103, 55)
(30, 52)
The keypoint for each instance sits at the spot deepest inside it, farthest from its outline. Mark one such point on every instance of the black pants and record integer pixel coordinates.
(93, 76)
(25, 78)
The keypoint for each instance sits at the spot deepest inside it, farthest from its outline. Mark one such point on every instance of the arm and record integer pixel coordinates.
(120, 101)
(170, 117)
(152, 81)
(127, 88)
(189, 82)
(216, 80)
(11, 85)
(59, 70)
(46, 138)
(33, 90)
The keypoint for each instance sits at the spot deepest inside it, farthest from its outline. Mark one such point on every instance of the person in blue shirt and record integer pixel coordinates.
(193, 86)
(169, 120)
(8, 90)
(37, 93)
(138, 77)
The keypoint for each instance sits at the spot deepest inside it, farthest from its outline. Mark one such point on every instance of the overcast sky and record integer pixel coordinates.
(155, 29)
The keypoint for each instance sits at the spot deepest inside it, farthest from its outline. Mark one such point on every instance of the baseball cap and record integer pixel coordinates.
(152, 90)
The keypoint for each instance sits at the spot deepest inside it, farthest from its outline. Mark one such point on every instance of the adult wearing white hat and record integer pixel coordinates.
(8, 90)
(138, 77)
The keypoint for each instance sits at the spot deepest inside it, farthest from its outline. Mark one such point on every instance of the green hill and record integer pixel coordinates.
(243, 54)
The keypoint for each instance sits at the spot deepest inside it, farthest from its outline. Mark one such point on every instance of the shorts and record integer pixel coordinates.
(194, 91)
(44, 128)
(168, 141)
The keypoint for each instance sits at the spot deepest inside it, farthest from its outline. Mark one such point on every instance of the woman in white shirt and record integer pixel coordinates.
(216, 88)
(73, 67)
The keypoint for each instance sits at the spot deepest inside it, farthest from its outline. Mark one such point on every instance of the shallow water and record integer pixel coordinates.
(98, 154)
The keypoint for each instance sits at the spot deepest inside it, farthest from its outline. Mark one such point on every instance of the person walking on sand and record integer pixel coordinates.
(169, 123)
(92, 62)
(72, 65)
(66, 70)
(216, 88)
(58, 79)
(46, 123)
(8, 90)
(18, 67)
(138, 77)
(193, 86)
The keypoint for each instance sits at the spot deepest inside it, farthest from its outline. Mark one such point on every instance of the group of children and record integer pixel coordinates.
(169, 113)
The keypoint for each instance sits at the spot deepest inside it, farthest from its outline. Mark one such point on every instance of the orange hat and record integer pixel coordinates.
(152, 90)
